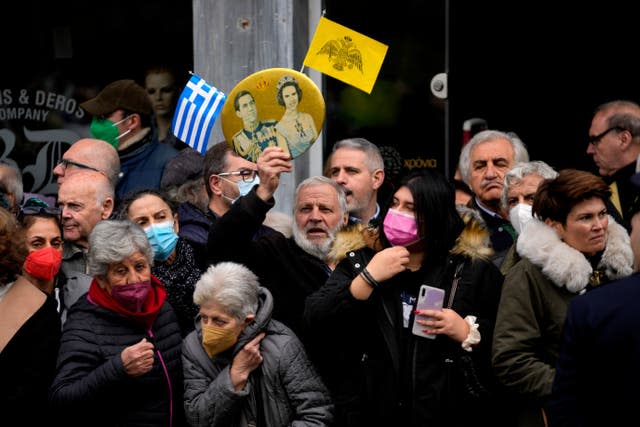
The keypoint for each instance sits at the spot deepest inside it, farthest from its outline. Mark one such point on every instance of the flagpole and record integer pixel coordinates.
(324, 12)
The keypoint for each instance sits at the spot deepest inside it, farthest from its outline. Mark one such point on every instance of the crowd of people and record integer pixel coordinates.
(159, 288)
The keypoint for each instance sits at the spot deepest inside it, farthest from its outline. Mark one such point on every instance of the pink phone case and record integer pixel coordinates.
(429, 298)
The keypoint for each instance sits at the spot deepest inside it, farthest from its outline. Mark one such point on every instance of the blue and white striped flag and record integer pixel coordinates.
(197, 109)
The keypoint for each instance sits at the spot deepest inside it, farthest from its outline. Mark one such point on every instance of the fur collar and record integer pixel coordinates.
(566, 266)
(473, 241)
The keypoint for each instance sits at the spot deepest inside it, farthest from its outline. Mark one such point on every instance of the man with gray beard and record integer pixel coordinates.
(291, 268)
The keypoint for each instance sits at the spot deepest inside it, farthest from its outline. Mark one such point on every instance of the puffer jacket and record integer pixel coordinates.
(533, 306)
(380, 373)
(286, 388)
(91, 386)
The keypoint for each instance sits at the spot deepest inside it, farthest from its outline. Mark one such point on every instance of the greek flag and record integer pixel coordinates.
(197, 109)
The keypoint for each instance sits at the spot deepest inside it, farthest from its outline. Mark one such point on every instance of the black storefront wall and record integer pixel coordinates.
(523, 70)
(58, 54)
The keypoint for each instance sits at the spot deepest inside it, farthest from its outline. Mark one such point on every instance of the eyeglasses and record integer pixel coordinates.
(35, 206)
(247, 175)
(596, 138)
(64, 163)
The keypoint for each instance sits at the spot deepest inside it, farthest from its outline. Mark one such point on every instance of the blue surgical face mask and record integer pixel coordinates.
(163, 239)
(244, 187)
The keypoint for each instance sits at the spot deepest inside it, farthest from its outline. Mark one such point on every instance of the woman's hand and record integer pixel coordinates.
(245, 362)
(445, 321)
(383, 266)
(138, 358)
(388, 262)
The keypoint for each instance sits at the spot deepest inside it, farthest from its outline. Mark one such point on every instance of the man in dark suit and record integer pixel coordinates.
(614, 144)
(483, 162)
(598, 371)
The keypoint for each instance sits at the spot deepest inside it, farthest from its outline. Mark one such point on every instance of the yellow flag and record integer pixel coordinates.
(345, 55)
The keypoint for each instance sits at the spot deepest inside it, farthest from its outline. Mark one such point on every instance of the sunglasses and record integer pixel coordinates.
(35, 206)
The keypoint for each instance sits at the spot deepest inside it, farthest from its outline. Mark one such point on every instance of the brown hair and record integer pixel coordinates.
(12, 248)
(556, 197)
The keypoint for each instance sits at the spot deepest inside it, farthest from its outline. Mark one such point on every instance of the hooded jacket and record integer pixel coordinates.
(534, 301)
(285, 389)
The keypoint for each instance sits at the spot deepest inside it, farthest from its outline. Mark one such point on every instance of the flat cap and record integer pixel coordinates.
(119, 95)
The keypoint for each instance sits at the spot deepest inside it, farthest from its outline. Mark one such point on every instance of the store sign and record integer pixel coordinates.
(36, 128)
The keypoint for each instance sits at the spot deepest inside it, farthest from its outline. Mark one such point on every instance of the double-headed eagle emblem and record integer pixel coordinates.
(342, 53)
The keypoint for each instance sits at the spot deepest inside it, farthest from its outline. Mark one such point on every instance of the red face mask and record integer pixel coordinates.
(43, 264)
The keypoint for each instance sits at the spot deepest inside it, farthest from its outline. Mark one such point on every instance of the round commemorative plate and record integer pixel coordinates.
(273, 107)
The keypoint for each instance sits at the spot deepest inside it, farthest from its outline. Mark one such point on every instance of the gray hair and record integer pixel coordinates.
(623, 114)
(104, 188)
(189, 191)
(112, 241)
(230, 285)
(522, 169)
(374, 158)
(323, 180)
(13, 182)
(464, 164)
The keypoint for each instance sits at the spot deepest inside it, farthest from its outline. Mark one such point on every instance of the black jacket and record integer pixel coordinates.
(378, 371)
(290, 273)
(91, 386)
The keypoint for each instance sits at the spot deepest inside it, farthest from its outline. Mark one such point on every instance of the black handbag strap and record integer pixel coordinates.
(454, 284)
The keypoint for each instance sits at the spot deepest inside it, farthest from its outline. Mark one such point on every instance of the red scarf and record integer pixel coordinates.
(150, 308)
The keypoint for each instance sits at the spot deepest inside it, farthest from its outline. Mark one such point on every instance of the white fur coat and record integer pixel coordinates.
(566, 266)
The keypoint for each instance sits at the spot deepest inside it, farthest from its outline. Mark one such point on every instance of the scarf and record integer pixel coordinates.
(150, 309)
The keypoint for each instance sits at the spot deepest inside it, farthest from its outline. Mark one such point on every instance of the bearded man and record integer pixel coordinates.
(291, 268)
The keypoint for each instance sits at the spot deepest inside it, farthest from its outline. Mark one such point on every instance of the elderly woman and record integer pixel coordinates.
(519, 188)
(175, 259)
(119, 360)
(570, 246)
(29, 336)
(240, 367)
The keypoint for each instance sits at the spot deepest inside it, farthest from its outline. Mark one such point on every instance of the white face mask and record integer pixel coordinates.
(520, 215)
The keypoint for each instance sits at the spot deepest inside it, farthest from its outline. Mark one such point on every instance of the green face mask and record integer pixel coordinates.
(107, 130)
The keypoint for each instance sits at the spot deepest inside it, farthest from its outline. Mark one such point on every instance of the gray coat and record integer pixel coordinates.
(286, 386)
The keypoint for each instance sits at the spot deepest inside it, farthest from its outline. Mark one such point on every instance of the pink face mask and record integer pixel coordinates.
(132, 296)
(401, 229)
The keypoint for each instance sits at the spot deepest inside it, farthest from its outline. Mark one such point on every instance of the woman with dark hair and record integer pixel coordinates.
(378, 371)
(297, 127)
(43, 235)
(175, 259)
(570, 246)
(29, 333)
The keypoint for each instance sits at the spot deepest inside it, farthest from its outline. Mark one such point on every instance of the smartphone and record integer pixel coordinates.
(429, 298)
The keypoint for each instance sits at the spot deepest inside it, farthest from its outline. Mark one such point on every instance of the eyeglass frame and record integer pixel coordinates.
(64, 163)
(243, 173)
(595, 140)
